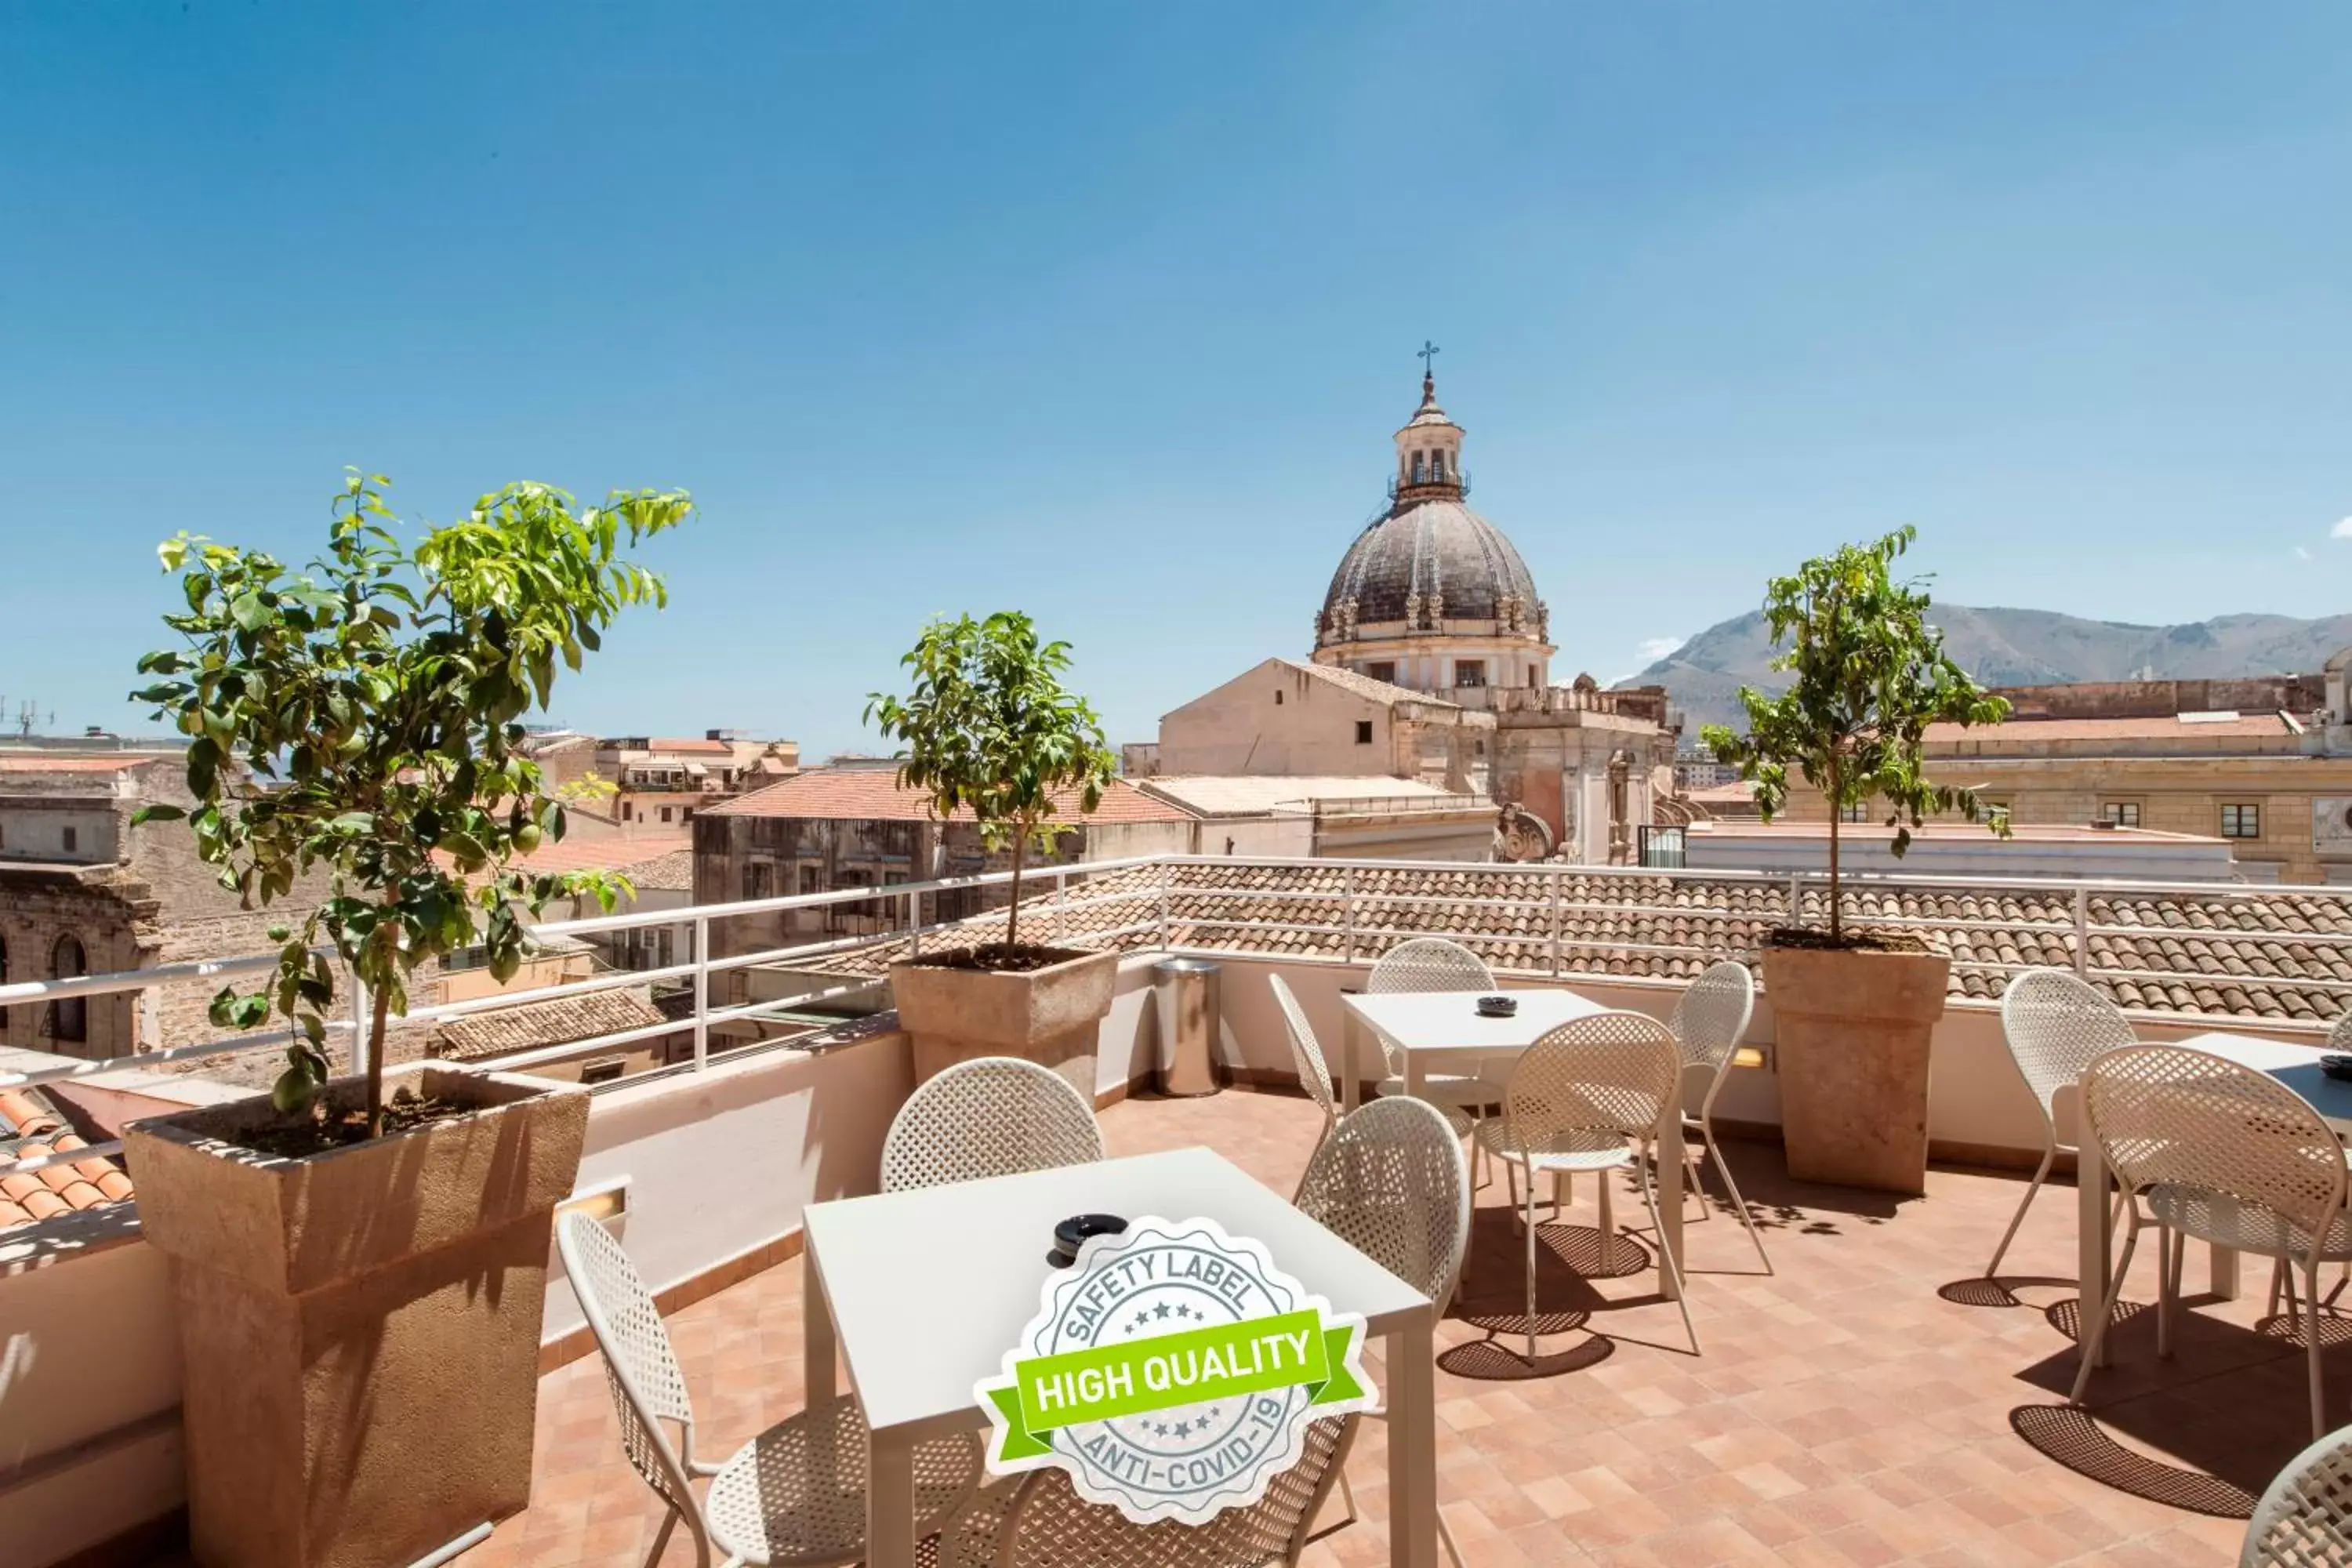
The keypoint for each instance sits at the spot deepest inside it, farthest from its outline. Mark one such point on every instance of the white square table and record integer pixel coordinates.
(2296, 1067)
(923, 1292)
(1424, 1026)
(1431, 1026)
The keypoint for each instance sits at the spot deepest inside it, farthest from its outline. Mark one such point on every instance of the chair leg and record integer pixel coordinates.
(1531, 1261)
(2040, 1172)
(2095, 1332)
(2278, 1283)
(1739, 1204)
(1666, 1264)
(1445, 1537)
(661, 1542)
(1348, 1494)
(2171, 1246)
(1608, 1221)
(2293, 1317)
(2311, 1339)
(1694, 1174)
(1511, 1183)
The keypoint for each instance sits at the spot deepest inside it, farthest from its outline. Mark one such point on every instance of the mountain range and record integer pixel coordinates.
(2013, 647)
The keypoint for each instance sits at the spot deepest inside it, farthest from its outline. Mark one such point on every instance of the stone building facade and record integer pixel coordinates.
(2264, 763)
(1436, 648)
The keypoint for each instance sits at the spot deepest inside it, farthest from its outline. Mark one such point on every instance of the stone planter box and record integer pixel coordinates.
(1051, 1015)
(1851, 1028)
(360, 1328)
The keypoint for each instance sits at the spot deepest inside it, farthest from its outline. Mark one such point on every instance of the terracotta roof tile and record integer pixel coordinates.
(874, 794)
(62, 1188)
(501, 1031)
(1679, 927)
(23, 762)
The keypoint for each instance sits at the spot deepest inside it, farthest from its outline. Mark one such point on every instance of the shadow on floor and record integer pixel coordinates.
(2000, 1290)
(2069, 1436)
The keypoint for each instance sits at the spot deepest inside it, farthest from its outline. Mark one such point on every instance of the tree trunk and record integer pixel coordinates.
(1837, 816)
(1013, 916)
(381, 1000)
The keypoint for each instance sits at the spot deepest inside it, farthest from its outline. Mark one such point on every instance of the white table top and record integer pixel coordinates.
(929, 1289)
(2297, 1066)
(1450, 1021)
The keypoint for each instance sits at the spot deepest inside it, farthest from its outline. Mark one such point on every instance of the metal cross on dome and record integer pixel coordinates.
(1427, 355)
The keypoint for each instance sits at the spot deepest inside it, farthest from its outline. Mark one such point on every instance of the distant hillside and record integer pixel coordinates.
(2016, 647)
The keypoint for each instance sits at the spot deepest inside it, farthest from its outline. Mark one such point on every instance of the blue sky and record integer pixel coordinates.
(1106, 311)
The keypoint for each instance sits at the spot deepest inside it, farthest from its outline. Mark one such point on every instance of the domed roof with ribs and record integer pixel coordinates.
(1431, 560)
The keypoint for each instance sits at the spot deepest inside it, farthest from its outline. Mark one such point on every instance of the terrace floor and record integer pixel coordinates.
(1871, 1403)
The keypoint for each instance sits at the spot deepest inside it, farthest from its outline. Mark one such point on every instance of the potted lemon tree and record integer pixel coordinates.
(990, 728)
(359, 1276)
(1854, 1008)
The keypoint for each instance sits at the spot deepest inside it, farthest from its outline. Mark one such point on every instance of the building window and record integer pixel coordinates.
(1416, 467)
(2241, 822)
(810, 879)
(1469, 672)
(73, 840)
(602, 1069)
(625, 811)
(68, 1016)
(1363, 731)
(1382, 669)
(1277, 697)
(2120, 813)
(755, 880)
(664, 813)
(4, 980)
(1858, 812)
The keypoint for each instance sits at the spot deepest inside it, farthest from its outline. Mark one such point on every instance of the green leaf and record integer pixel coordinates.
(157, 811)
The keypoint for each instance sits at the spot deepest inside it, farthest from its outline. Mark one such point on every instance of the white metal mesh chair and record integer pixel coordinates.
(2056, 1026)
(1039, 1521)
(793, 1495)
(1711, 1018)
(1307, 1056)
(1434, 964)
(2220, 1152)
(2305, 1520)
(1391, 1183)
(991, 1116)
(1588, 1095)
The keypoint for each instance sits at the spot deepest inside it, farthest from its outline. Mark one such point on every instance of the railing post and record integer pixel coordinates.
(2083, 932)
(1347, 914)
(914, 925)
(1796, 899)
(1166, 871)
(701, 992)
(1557, 969)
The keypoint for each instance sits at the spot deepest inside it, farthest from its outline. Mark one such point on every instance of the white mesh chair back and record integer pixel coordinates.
(1712, 1015)
(2305, 1520)
(1603, 1073)
(639, 1365)
(1051, 1527)
(1305, 1051)
(1391, 1183)
(2169, 1115)
(2057, 1024)
(991, 1116)
(1429, 963)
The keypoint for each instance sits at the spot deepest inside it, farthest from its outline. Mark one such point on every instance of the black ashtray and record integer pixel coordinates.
(2336, 1065)
(1072, 1232)
(1498, 1007)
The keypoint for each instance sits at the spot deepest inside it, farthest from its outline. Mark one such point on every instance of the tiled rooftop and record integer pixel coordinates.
(29, 1195)
(874, 794)
(499, 1031)
(1871, 1403)
(1621, 925)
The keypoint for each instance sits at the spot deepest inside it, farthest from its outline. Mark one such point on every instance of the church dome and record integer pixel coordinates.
(1429, 566)
(1427, 562)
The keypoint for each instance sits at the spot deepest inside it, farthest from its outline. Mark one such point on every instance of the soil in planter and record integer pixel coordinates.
(1855, 939)
(999, 958)
(344, 1126)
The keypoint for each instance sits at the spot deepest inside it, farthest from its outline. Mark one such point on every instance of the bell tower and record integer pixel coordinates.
(1429, 448)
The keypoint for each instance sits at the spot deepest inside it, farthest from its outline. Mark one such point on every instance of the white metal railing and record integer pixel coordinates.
(1207, 904)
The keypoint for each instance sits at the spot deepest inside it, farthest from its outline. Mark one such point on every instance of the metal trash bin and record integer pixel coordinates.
(1190, 1022)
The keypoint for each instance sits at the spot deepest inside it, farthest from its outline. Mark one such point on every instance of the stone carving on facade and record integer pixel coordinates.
(1543, 621)
(1436, 606)
(1508, 614)
(1621, 829)
(1412, 609)
(1347, 618)
(1521, 836)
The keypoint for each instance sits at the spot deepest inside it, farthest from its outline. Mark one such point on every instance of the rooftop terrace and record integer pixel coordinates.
(1873, 1401)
